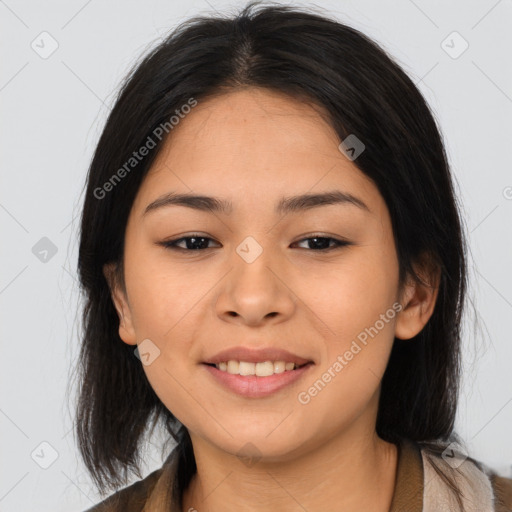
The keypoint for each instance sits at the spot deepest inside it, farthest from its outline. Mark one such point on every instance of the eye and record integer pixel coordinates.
(322, 243)
(197, 242)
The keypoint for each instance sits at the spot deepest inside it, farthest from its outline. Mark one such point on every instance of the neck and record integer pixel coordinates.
(350, 472)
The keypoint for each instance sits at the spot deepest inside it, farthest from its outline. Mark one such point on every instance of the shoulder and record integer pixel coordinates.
(479, 483)
(502, 492)
(131, 498)
(501, 486)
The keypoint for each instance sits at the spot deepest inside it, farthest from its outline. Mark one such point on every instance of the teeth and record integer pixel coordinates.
(246, 368)
(264, 369)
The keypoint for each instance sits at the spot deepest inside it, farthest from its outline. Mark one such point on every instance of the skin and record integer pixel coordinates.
(253, 147)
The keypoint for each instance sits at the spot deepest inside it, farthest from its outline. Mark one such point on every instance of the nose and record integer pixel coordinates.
(255, 293)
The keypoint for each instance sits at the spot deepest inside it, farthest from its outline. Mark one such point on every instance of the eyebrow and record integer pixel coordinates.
(289, 204)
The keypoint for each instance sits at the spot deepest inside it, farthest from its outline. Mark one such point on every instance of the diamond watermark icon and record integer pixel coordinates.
(454, 455)
(249, 454)
(44, 45)
(351, 147)
(44, 455)
(147, 352)
(44, 250)
(454, 45)
(249, 249)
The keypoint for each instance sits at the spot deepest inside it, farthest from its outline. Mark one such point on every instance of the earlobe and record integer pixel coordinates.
(418, 301)
(126, 330)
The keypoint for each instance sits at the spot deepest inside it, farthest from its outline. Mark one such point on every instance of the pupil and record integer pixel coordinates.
(323, 244)
(191, 242)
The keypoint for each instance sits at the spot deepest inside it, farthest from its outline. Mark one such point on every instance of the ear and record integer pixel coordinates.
(418, 300)
(126, 330)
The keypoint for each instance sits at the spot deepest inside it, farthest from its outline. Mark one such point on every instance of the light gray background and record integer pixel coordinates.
(53, 110)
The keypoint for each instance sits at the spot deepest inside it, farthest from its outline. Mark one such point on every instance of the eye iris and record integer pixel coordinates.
(192, 241)
(323, 244)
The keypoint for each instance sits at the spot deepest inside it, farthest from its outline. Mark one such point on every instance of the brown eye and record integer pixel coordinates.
(192, 243)
(323, 243)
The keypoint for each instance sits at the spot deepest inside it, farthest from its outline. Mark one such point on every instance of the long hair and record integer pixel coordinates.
(366, 93)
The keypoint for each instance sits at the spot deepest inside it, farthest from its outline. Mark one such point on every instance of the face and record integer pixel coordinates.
(320, 282)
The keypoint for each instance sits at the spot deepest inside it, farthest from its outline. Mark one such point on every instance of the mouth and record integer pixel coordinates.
(246, 358)
(247, 383)
(260, 369)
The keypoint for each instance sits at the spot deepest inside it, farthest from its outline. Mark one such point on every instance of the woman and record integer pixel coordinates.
(273, 265)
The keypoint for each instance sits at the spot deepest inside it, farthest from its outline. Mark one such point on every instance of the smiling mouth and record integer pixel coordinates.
(262, 369)
(295, 365)
(252, 382)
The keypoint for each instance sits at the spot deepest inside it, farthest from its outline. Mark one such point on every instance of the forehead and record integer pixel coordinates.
(250, 120)
(251, 145)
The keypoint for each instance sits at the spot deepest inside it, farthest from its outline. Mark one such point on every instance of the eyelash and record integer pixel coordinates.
(171, 244)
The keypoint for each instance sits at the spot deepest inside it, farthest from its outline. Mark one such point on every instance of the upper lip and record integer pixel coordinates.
(252, 355)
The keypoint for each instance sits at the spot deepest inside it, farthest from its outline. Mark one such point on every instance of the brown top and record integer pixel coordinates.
(148, 495)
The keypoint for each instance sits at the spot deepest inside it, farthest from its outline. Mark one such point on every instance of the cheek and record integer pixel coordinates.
(162, 294)
(354, 359)
(355, 301)
(350, 297)
(163, 310)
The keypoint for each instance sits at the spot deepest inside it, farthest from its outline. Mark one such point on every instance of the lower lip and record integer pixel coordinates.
(252, 386)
